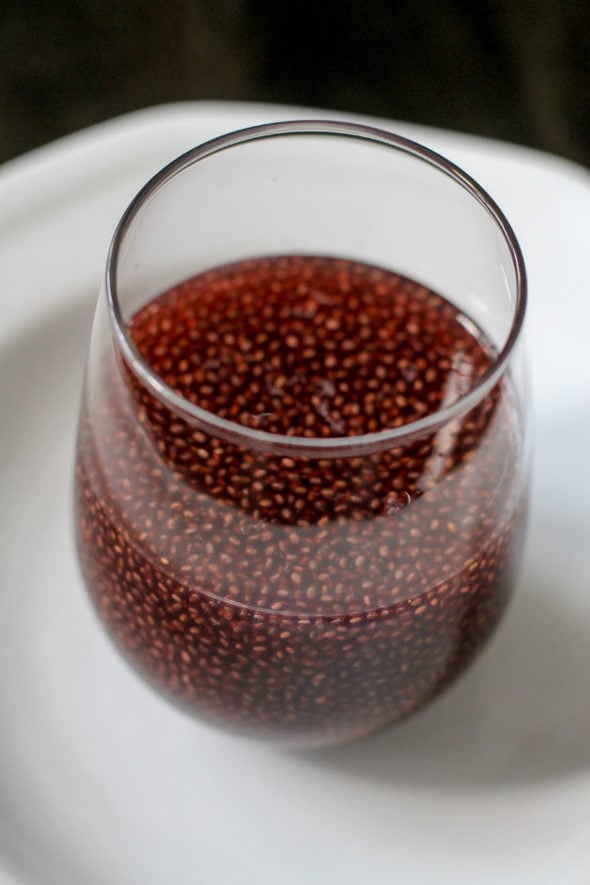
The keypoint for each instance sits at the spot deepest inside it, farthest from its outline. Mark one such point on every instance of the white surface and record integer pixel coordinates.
(101, 782)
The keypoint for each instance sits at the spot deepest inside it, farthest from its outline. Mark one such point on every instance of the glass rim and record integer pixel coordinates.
(348, 446)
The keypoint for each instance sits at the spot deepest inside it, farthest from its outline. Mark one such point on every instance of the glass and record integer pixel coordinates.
(301, 476)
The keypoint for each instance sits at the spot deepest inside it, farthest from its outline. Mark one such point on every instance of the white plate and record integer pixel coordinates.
(103, 783)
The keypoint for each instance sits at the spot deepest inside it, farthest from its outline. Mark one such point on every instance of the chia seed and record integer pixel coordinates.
(306, 599)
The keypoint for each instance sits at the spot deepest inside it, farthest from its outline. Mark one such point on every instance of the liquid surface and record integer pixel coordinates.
(309, 599)
(310, 346)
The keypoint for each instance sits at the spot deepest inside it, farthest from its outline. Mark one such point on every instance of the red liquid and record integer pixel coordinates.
(310, 599)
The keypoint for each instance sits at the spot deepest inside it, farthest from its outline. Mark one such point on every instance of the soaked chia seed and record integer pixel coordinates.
(310, 599)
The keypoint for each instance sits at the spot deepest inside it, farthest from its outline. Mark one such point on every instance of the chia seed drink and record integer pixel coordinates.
(310, 598)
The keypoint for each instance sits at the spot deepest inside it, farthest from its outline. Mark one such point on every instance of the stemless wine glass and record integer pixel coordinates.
(302, 454)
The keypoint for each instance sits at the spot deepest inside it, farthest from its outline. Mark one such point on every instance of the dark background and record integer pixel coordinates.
(516, 70)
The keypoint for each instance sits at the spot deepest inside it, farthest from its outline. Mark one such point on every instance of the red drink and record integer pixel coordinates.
(309, 598)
